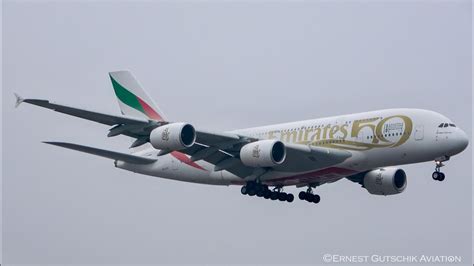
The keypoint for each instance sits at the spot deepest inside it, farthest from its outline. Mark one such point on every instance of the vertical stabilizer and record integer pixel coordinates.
(133, 99)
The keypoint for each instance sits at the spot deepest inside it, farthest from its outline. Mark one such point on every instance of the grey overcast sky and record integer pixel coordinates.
(223, 66)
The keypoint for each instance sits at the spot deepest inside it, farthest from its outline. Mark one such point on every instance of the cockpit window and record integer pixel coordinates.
(447, 125)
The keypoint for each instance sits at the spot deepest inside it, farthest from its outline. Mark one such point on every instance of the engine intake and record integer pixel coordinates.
(385, 181)
(175, 136)
(263, 153)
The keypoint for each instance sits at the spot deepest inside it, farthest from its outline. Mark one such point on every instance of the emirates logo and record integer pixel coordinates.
(165, 135)
(256, 152)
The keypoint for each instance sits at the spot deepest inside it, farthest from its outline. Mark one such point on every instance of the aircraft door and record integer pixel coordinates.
(419, 132)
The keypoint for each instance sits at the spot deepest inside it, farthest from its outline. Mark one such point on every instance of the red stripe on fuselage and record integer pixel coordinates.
(307, 177)
(183, 158)
(330, 170)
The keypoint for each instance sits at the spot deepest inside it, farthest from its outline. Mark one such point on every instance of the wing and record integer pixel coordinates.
(102, 118)
(218, 148)
(123, 125)
(222, 150)
(303, 158)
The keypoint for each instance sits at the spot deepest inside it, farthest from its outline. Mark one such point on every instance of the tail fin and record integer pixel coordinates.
(132, 98)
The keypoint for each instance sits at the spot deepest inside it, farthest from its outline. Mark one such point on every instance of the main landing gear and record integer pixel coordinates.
(309, 196)
(260, 190)
(437, 174)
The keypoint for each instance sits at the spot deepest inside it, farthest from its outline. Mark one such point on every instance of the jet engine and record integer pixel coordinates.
(263, 153)
(175, 136)
(385, 181)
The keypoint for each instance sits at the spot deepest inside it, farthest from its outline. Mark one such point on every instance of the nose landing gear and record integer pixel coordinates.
(437, 174)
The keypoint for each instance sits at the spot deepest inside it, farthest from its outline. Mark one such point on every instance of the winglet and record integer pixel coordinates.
(19, 100)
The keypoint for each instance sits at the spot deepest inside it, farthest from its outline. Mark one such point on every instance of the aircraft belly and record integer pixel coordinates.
(169, 168)
(327, 175)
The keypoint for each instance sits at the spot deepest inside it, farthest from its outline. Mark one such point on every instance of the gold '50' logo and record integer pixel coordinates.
(397, 125)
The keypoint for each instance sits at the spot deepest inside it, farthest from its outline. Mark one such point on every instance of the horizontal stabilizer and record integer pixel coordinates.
(104, 153)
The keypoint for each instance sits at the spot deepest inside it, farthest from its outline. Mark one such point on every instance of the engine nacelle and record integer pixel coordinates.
(175, 136)
(385, 181)
(263, 153)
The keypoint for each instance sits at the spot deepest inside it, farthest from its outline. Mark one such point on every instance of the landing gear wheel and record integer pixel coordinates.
(435, 175)
(281, 196)
(302, 195)
(441, 176)
(267, 193)
(250, 186)
(273, 195)
(316, 198)
(290, 197)
(244, 190)
(251, 192)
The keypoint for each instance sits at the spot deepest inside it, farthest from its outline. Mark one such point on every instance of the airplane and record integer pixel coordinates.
(365, 148)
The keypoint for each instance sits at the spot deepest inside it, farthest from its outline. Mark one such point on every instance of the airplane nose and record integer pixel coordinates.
(461, 141)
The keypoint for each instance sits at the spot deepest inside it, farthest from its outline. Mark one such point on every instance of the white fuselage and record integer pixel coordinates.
(375, 139)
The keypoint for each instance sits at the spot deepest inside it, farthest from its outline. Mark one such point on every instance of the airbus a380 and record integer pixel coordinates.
(365, 148)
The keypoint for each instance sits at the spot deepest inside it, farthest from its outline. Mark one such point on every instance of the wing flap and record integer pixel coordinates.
(219, 156)
(302, 158)
(217, 139)
(104, 153)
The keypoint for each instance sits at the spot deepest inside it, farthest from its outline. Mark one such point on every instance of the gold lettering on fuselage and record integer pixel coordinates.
(306, 133)
(289, 136)
(358, 125)
(406, 133)
(344, 131)
(317, 135)
(365, 134)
